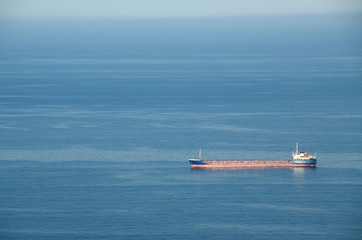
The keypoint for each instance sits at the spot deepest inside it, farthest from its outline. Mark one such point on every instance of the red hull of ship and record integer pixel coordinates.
(249, 164)
(253, 166)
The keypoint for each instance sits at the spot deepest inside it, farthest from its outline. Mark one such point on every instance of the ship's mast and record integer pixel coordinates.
(296, 149)
(200, 154)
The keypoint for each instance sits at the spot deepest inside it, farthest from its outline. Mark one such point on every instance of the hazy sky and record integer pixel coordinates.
(171, 8)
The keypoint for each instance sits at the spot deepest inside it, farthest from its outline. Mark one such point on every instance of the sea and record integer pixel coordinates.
(98, 118)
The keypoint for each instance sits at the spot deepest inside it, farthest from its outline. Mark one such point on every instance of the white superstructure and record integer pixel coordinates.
(303, 155)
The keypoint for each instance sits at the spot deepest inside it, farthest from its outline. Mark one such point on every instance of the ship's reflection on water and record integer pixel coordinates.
(301, 171)
(298, 171)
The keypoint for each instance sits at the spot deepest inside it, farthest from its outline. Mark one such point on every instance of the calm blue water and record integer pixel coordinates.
(98, 118)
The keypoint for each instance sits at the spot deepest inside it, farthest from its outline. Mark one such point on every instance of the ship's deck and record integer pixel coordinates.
(244, 161)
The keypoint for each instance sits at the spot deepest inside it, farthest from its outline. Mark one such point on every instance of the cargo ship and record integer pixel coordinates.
(299, 159)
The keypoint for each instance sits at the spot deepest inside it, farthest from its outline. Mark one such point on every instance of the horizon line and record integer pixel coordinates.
(180, 17)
